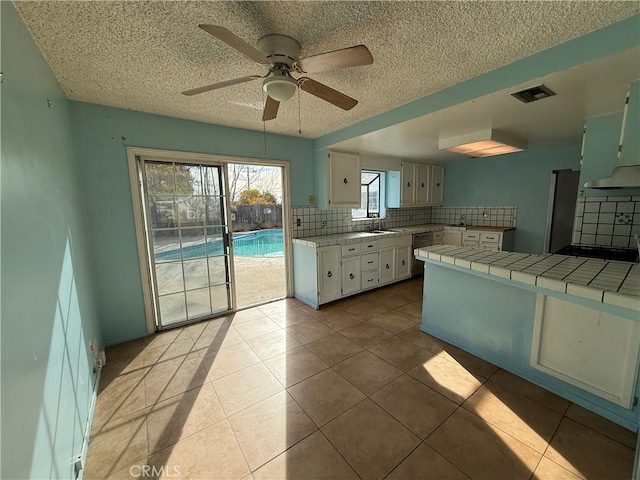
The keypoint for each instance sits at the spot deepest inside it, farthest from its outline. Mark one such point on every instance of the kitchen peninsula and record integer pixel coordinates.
(568, 324)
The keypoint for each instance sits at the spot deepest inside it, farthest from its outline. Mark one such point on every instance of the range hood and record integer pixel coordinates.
(627, 173)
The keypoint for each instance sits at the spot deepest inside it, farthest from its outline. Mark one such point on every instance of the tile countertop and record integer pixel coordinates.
(354, 237)
(607, 281)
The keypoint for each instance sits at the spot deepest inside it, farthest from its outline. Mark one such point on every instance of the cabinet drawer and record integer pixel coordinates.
(437, 237)
(471, 236)
(471, 244)
(490, 237)
(351, 249)
(490, 246)
(371, 246)
(369, 261)
(369, 279)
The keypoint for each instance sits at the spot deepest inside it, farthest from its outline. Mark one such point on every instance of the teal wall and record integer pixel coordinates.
(101, 135)
(521, 179)
(49, 312)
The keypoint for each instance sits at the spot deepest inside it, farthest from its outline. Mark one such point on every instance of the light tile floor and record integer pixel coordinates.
(353, 390)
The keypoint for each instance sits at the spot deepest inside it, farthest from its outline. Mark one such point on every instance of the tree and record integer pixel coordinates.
(253, 196)
(167, 179)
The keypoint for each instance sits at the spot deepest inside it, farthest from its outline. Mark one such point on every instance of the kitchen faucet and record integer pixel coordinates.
(376, 218)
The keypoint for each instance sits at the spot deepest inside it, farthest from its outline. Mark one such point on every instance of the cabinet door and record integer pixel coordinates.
(350, 275)
(407, 184)
(329, 273)
(422, 184)
(387, 265)
(344, 180)
(403, 262)
(436, 184)
(453, 237)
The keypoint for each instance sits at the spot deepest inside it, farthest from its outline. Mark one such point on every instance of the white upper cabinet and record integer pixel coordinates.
(344, 180)
(422, 183)
(436, 181)
(407, 184)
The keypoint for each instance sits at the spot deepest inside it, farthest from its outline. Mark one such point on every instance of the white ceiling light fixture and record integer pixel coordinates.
(280, 87)
(485, 143)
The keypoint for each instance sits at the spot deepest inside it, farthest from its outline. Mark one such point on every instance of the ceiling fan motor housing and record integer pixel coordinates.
(279, 49)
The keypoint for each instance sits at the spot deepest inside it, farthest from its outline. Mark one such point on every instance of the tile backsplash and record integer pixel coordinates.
(493, 216)
(607, 221)
(309, 221)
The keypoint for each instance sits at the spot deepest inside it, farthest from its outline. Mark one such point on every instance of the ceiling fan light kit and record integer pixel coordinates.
(485, 143)
(280, 87)
(281, 54)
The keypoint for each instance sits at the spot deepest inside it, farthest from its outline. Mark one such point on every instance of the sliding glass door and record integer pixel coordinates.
(187, 240)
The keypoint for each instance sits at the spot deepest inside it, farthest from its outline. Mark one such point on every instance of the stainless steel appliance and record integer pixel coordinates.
(420, 240)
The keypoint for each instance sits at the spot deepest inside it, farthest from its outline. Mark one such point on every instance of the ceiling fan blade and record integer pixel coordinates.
(230, 39)
(344, 58)
(270, 109)
(326, 93)
(215, 86)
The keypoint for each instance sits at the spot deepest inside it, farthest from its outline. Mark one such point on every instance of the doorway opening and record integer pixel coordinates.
(256, 222)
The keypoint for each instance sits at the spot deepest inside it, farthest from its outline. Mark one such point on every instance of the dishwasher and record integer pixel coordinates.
(420, 240)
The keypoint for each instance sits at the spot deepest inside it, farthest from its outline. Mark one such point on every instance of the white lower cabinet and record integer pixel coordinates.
(387, 264)
(482, 239)
(403, 262)
(350, 275)
(329, 272)
(324, 274)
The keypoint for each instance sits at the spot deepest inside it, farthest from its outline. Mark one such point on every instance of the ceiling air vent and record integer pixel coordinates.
(532, 94)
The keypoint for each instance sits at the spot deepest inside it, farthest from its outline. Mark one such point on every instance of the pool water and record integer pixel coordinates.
(259, 243)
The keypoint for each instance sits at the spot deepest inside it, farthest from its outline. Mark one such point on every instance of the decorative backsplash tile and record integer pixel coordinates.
(309, 221)
(607, 221)
(493, 216)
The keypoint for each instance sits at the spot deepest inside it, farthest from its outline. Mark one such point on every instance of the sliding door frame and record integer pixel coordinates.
(188, 157)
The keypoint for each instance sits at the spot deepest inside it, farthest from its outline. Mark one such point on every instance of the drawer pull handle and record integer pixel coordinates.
(370, 280)
(351, 249)
(351, 276)
(370, 261)
(387, 267)
(345, 180)
(329, 274)
(369, 246)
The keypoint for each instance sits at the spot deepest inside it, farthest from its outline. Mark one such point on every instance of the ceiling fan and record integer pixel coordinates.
(280, 54)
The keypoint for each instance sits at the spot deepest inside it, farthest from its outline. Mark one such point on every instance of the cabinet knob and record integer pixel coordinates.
(408, 184)
(422, 184)
(345, 180)
(438, 184)
(351, 276)
(402, 262)
(329, 274)
(387, 266)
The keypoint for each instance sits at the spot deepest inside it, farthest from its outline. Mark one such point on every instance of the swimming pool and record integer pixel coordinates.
(259, 243)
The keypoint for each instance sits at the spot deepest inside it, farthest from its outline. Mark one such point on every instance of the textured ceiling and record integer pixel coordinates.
(141, 55)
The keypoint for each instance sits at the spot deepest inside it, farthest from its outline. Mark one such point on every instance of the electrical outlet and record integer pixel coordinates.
(298, 222)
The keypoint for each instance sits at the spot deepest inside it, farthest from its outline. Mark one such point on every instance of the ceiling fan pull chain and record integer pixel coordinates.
(299, 121)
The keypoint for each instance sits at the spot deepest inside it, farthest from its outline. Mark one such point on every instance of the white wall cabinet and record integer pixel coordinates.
(324, 274)
(329, 272)
(344, 180)
(436, 184)
(420, 185)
